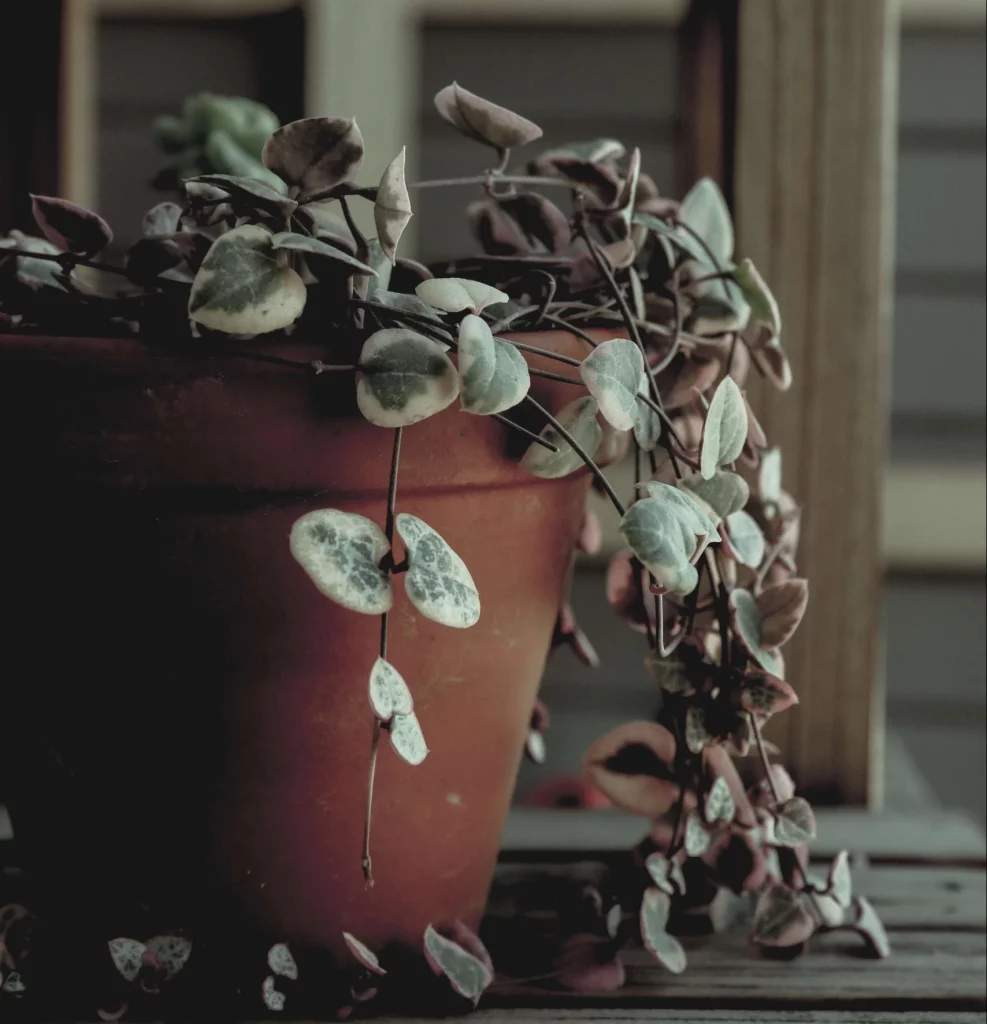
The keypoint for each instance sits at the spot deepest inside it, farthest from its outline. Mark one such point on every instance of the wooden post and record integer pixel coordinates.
(814, 178)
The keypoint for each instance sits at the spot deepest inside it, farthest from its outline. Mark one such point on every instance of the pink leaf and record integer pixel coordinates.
(590, 533)
(781, 919)
(483, 121)
(70, 227)
(632, 765)
(654, 917)
(782, 607)
(765, 694)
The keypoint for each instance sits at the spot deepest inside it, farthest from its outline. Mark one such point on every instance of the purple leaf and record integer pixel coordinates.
(498, 233)
(765, 694)
(255, 194)
(483, 121)
(539, 219)
(366, 956)
(315, 153)
(782, 607)
(70, 227)
(781, 919)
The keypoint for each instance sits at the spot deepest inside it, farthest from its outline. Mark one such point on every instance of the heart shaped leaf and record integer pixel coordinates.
(723, 493)
(782, 607)
(647, 426)
(13, 984)
(392, 208)
(362, 953)
(725, 428)
(869, 926)
(769, 475)
(454, 294)
(437, 583)
(795, 823)
(273, 999)
(697, 523)
(763, 305)
(407, 738)
(705, 211)
(720, 804)
(493, 373)
(483, 121)
(771, 361)
(470, 975)
(633, 766)
(681, 239)
(281, 961)
(839, 882)
(293, 241)
(341, 552)
(171, 952)
(746, 540)
(666, 874)
(697, 839)
(781, 918)
(162, 219)
(315, 153)
(540, 220)
(669, 673)
(406, 378)
(127, 956)
(71, 228)
(747, 622)
(243, 288)
(579, 419)
(389, 693)
(666, 949)
(765, 694)
(655, 535)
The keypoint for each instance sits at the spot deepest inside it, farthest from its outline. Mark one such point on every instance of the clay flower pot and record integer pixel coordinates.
(187, 720)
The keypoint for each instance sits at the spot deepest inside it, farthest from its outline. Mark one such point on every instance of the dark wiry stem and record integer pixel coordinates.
(568, 360)
(564, 325)
(581, 452)
(392, 494)
(535, 438)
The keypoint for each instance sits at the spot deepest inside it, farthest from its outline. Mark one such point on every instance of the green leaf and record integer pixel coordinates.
(257, 194)
(226, 156)
(795, 823)
(437, 583)
(341, 552)
(292, 241)
(71, 228)
(654, 533)
(493, 373)
(725, 428)
(243, 288)
(769, 475)
(666, 874)
(705, 211)
(406, 378)
(162, 219)
(679, 238)
(454, 294)
(35, 273)
(467, 974)
(868, 924)
(781, 918)
(613, 373)
(723, 493)
(392, 208)
(763, 305)
(647, 427)
(747, 622)
(579, 420)
(666, 949)
(389, 693)
(483, 121)
(363, 954)
(315, 153)
(697, 737)
(698, 527)
(697, 839)
(407, 738)
(746, 539)
(720, 804)
(839, 882)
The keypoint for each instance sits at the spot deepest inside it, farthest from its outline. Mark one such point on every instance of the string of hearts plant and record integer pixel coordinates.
(708, 574)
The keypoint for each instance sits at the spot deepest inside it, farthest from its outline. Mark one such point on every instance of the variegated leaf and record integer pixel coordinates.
(363, 954)
(406, 378)
(437, 583)
(745, 538)
(243, 287)
(454, 294)
(468, 974)
(389, 693)
(579, 419)
(315, 153)
(407, 738)
(483, 121)
(725, 428)
(720, 804)
(170, 951)
(769, 475)
(341, 552)
(614, 373)
(666, 874)
(392, 208)
(723, 493)
(127, 956)
(493, 374)
(697, 839)
(747, 622)
(795, 823)
(666, 949)
(781, 918)
(282, 962)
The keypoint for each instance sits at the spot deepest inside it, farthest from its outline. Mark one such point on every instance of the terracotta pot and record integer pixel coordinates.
(188, 722)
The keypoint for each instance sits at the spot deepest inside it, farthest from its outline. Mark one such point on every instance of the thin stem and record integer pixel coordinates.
(357, 234)
(762, 753)
(498, 326)
(506, 179)
(548, 375)
(321, 367)
(566, 326)
(535, 438)
(66, 259)
(420, 321)
(673, 350)
(392, 493)
(580, 451)
(773, 553)
(568, 360)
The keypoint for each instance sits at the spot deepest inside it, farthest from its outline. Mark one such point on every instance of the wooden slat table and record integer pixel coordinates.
(924, 872)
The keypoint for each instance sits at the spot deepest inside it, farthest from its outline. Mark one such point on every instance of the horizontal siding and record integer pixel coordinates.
(942, 80)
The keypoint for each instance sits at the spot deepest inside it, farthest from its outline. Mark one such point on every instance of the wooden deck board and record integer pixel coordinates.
(616, 1016)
